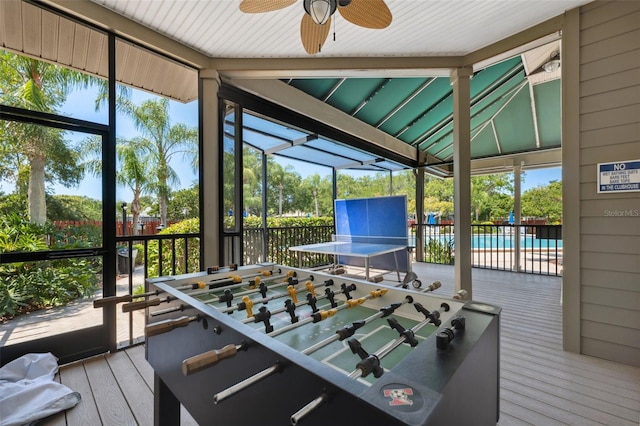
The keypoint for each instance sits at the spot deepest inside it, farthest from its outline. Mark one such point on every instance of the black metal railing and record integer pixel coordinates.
(143, 256)
(279, 240)
(538, 250)
(534, 249)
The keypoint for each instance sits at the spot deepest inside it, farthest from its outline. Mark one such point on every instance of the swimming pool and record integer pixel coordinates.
(502, 241)
(507, 241)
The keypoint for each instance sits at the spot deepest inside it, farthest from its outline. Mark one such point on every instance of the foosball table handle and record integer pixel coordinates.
(208, 359)
(134, 306)
(99, 303)
(166, 325)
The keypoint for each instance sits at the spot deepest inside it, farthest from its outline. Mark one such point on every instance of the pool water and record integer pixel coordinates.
(502, 241)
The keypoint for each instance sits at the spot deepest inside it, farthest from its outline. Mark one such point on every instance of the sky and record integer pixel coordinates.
(81, 105)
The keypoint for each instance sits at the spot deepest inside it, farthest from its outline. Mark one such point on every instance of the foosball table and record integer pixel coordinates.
(273, 345)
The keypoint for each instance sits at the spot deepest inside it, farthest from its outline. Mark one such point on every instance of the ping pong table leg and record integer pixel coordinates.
(395, 257)
(366, 268)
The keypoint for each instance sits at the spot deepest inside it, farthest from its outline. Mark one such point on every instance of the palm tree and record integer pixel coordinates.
(134, 171)
(160, 142)
(41, 152)
(251, 181)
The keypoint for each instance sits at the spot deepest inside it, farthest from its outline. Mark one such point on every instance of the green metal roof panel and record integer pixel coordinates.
(483, 81)
(352, 92)
(548, 113)
(419, 111)
(514, 124)
(318, 88)
(387, 99)
(484, 144)
(433, 106)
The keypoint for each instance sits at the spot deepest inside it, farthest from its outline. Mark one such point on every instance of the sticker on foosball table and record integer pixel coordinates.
(401, 397)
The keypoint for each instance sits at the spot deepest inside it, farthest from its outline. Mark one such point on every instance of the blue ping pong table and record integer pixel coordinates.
(353, 249)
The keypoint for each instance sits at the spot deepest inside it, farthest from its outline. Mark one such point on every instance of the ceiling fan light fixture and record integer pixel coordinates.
(320, 10)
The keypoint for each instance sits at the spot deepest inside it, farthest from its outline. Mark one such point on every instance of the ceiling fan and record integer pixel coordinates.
(316, 21)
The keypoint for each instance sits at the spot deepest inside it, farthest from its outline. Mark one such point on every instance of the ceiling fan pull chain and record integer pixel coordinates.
(334, 29)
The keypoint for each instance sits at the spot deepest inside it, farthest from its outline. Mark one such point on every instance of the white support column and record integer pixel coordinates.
(462, 177)
(517, 175)
(209, 161)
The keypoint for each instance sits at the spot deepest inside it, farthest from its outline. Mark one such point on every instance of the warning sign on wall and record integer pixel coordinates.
(622, 176)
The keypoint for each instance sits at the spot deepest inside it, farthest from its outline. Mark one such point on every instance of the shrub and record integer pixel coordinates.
(27, 286)
(437, 251)
(192, 255)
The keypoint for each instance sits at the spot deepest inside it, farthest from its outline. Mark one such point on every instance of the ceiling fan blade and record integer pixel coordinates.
(374, 14)
(260, 6)
(313, 35)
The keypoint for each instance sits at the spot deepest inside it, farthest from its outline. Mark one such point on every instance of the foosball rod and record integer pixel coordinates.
(234, 281)
(349, 330)
(232, 390)
(168, 325)
(385, 350)
(288, 281)
(280, 310)
(132, 306)
(246, 301)
(432, 287)
(142, 304)
(322, 315)
(226, 268)
(307, 409)
(211, 358)
(207, 359)
(126, 298)
(221, 281)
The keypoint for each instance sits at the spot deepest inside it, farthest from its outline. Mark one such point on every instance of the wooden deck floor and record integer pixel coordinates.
(540, 384)
(116, 389)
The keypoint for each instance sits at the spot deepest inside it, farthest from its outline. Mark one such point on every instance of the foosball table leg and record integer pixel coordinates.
(166, 407)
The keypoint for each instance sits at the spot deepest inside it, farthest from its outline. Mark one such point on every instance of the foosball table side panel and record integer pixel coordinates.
(271, 401)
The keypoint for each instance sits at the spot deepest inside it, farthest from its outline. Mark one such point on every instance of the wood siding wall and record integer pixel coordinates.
(609, 223)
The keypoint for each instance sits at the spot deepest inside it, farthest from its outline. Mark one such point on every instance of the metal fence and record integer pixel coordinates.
(534, 249)
(280, 239)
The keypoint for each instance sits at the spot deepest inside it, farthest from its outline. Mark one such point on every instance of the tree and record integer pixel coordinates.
(252, 181)
(74, 207)
(281, 185)
(41, 153)
(160, 142)
(544, 201)
(372, 184)
(485, 188)
(438, 197)
(134, 170)
(184, 204)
